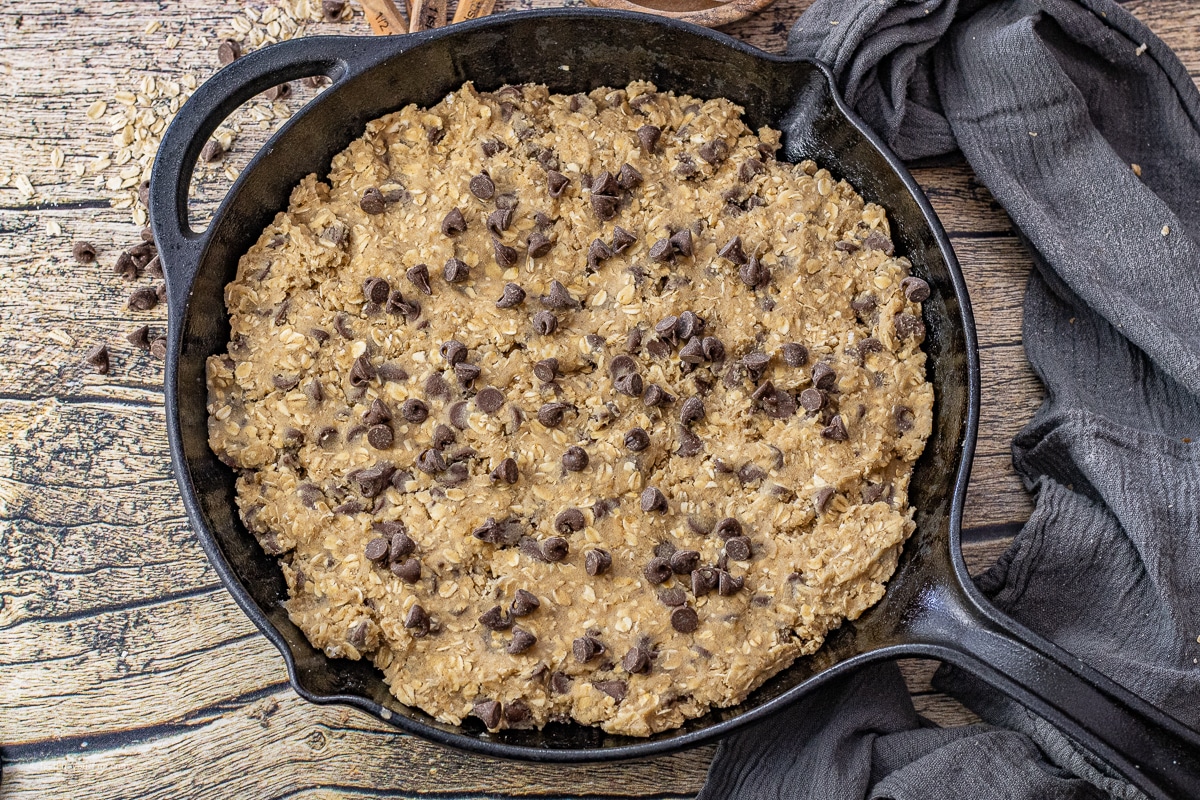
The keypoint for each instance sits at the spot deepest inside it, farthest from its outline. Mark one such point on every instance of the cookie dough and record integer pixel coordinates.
(574, 407)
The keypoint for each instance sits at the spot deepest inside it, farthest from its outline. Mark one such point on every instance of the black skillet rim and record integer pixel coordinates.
(637, 749)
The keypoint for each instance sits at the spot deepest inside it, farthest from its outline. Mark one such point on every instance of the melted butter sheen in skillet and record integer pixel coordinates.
(574, 407)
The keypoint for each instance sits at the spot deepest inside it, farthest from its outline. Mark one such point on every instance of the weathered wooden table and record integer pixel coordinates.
(125, 668)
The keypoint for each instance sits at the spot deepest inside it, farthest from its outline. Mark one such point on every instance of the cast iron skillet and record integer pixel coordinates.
(931, 607)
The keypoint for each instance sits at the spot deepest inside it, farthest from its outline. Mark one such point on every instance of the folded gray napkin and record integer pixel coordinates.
(1051, 102)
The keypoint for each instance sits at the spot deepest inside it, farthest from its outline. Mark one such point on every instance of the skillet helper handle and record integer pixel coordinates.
(179, 246)
(1152, 750)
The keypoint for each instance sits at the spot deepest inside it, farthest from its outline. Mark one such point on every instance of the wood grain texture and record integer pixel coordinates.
(125, 669)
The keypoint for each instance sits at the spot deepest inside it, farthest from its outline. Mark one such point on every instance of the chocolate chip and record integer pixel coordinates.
(673, 597)
(813, 399)
(878, 241)
(605, 183)
(506, 471)
(692, 411)
(482, 186)
(140, 337)
(713, 349)
(431, 462)
(414, 410)
(499, 220)
(628, 384)
(904, 417)
(597, 562)
(662, 251)
(521, 641)
(636, 661)
(378, 412)
(494, 619)
(524, 603)
(794, 355)
(621, 240)
(751, 472)
(732, 251)
(489, 400)
(559, 297)
(692, 352)
(704, 580)
(907, 326)
(655, 396)
(604, 206)
(648, 136)
(505, 256)
(125, 268)
(538, 245)
(545, 323)
(653, 500)
(657, 571)
(688, 325)
(560, 682)
(418, 276)
(454, 223)
(228, 52)
(466, 373)
(489, 712)
(556, 182)
(637, 440)
(585, 648)
(614, 689)
(84, 252)
(372, 201)
(575, 459)
(457, 271)
(555, 549)
(665, 327)
(327, 437)
(738, 548)
(143, 299)
(408, 571)
(628, 177)
(443, 436)
(598, 251)
(380, 436)
(362, 372)
(689, 443)
(458, 414)
(749, 168)
(683, 562)
(685, 619)
(400, 546)
(681, 242)
(756, 364)
(823, 376)
(436, 386)
(551, 414)
(836, 429)
(332, 10)
(714, 152)
(493, 146)
(376, 549)
(546, 370)
(97, 357)
(863, 305)
(728, 584)
(569, 521)
(754, 273)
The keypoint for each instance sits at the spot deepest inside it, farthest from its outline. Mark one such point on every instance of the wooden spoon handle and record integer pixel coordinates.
(427, 14)
(473, 9)
(383, 16)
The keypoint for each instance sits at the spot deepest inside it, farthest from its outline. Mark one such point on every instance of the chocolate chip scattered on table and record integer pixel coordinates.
(574, 407)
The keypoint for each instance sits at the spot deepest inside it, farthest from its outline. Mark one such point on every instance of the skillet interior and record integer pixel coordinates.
(600, 48)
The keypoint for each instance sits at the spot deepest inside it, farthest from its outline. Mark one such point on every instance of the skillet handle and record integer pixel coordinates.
(1150, 749)
(179, 246)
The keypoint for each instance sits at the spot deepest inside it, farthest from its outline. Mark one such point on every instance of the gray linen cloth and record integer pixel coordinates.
(1051, 102)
